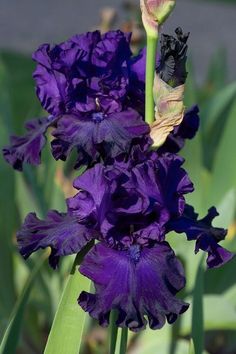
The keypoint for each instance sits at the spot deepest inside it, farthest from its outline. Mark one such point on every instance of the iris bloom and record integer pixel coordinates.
(86, 86)
(94, 92)
(129, 208)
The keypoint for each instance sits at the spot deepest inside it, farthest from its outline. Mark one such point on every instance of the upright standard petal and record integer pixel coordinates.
(28, 147)
(95, 190)
(163, 182)
(71, 76)
(62, 232)
(207, 236)
(138, 283)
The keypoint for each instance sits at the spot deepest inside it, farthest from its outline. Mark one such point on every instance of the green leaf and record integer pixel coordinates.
(219, 314)
(226, 209)
(195, 169)
(12, 333)
(197, 315)
(149, 342)
(118, 341)
(67, 329)
(25, 199)
(217, 73)
(191, 347)
(217, 106)
(220, 279)
(230, 295)
(7, 207)
(24, 102)
(214, 118)
(224, 168)
(190, 94)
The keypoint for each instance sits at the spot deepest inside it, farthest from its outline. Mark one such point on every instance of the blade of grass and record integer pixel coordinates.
(12, 333)
(198, 316)
(67, 329)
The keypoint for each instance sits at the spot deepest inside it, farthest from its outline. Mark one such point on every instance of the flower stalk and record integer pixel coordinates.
(150, 73)
(113, 332)
(124, 340)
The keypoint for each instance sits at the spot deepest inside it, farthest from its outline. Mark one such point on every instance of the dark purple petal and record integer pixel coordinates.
(95, 191)
(136, 94)
(207, 236)
(164, 183)
(112, 50)
(27, 149)
(97, 134)
(71, 76)
(186, 130)
(137, 283)
(60, 231)
(137, 66)
(50, 84)
(73, 132)
(172, 67)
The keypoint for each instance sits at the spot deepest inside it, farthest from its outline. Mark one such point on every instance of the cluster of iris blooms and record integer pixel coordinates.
(131, 194)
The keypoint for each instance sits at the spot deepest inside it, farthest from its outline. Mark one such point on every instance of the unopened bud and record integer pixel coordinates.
(169, 111)
(154, 14)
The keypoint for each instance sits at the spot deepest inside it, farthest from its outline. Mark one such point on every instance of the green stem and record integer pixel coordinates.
(124, 339)
(150, 73)
(113, 331)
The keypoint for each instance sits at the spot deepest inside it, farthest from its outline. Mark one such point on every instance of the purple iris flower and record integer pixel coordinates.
(93, 89)
(129, 211)
(85, 83)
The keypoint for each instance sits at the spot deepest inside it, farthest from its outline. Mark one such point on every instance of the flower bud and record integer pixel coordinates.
(154, 13)
(169, 86)
(169, 111)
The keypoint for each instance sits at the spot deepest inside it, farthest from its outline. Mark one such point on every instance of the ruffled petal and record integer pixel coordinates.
(137, 283)
(60, 231)
(98, 135)
(70, 76)
(73, 132)
(207, 236)
(27, 149)
(112, 50)
(94, 196)
(50, 84)
(164, 183)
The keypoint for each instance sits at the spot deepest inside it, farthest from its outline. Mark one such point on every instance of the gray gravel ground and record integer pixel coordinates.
(24, 24)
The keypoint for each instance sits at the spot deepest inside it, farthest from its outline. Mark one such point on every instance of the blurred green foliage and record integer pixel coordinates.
(30, 291)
